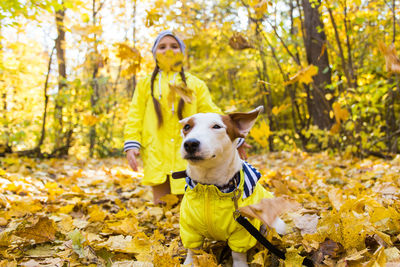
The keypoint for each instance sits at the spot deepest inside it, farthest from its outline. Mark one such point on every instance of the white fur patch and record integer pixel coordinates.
(210, 131)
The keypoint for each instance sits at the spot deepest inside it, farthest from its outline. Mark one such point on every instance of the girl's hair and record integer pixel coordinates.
(157, 105)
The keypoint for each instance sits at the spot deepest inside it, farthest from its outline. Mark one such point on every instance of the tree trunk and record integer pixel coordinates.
(60, 132)
(94, 98)
(315, 44)
(130, 92)
(46, 101)
(393, 92)
(6, 147)
(266, 91)
(350, 64)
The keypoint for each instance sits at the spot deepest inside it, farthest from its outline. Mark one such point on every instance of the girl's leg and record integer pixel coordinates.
(161, 190)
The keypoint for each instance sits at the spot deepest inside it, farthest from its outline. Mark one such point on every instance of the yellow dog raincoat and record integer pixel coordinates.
(206, 212)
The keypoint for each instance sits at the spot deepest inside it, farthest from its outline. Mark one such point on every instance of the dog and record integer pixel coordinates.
(215, 173)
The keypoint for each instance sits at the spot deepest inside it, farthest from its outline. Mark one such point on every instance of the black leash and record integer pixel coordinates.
(260, 238)
(255, 233)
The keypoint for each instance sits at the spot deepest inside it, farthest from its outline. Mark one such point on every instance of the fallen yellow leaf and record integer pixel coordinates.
(42, 230)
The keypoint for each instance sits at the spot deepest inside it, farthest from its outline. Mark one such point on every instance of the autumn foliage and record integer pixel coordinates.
(326, 84)
(326, 72)
(74, 212)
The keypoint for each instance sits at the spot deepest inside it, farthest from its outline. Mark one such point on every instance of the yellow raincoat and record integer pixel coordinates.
(160, 147)
(206, 212)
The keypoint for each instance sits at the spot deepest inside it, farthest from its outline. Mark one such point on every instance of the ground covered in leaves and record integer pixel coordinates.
(94, 212)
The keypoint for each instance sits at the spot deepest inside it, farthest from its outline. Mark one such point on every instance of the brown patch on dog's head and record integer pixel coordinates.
(188, 125)
(231, 127)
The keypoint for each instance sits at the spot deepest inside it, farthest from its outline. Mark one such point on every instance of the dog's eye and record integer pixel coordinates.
(216, 126)
(186, 127)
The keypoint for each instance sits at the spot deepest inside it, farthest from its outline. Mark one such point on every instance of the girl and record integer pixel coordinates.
(159, 102)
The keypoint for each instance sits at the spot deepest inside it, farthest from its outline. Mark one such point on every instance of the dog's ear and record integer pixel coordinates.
(244, 121)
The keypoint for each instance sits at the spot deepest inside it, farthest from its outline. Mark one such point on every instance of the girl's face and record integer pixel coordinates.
(168, 43)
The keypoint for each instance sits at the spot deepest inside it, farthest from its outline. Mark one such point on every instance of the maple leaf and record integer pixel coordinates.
(341, 114)
(391, 58)
(42, 230)
(259, 257)
(97, 214)
(261, 7)
(127, 226)
(170, 61)
(5, 238)
(304, 75)
(181, 90)
(261, 134)
(6, 263)
(140, 244)
(66, 223)
(327, 248)
(356, 255)
(239, 42)
(126, 52)
(204, 259)
(90, 120)
(307, 223)
(276, 110)
(292, 258)
(392, 254)
(166, 260)
(4, 201)
(268, 209)
(152, 17)
(77, 242)
(170, 200)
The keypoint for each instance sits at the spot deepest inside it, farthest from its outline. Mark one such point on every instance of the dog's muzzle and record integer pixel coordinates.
(191, 146)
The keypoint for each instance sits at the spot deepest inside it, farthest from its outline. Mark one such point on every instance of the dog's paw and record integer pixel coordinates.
(280, 226)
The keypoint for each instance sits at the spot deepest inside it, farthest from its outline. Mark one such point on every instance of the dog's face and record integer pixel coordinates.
(210, 135)
(204, 137)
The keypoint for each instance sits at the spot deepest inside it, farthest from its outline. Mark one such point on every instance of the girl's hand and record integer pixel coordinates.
(242, 150)
(131, 155)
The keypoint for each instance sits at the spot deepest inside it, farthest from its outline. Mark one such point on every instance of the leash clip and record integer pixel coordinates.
(235, 198)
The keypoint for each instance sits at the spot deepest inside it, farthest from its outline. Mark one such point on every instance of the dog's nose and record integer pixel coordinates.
(191, 145)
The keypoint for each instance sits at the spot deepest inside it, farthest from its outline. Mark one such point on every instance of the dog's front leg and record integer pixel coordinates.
(239, 259)
(189, 257)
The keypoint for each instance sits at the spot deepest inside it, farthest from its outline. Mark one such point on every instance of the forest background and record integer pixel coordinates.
(326, 72)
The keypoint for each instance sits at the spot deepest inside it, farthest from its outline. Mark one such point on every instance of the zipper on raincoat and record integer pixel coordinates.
(207, 213)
